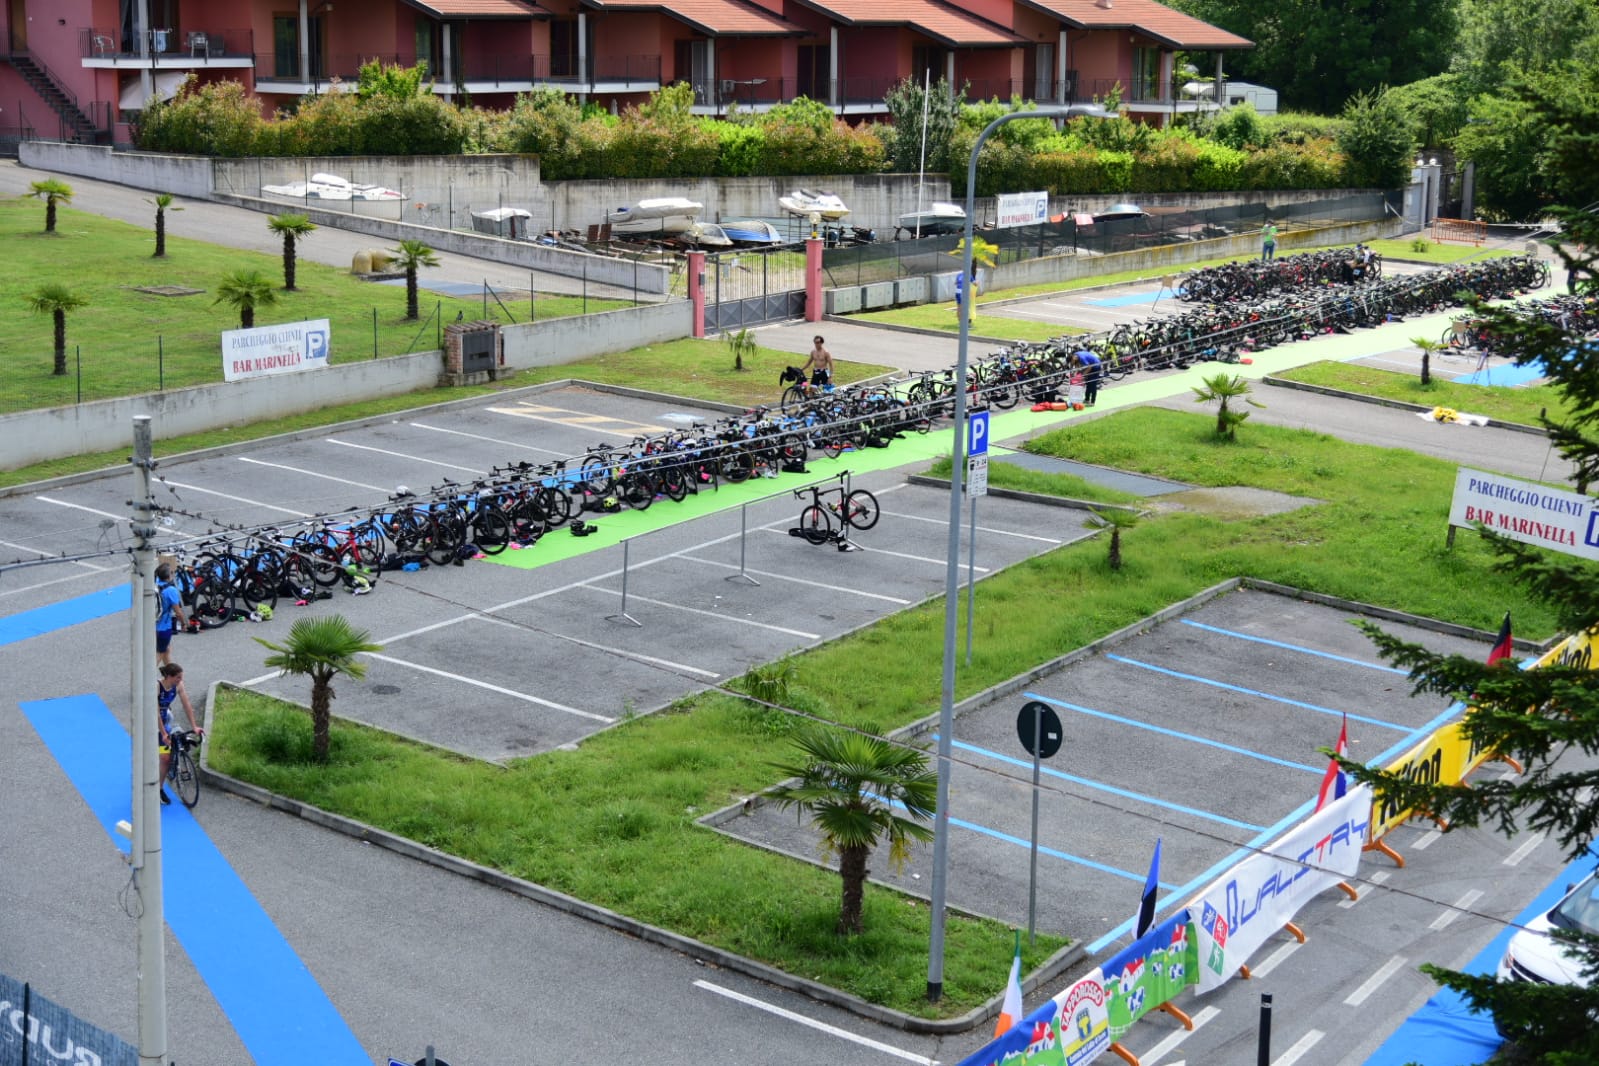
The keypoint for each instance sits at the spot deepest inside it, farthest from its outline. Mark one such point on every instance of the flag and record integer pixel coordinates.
(1011, 1012)
(1335, 781)
(1502, 649)
(1146, 903)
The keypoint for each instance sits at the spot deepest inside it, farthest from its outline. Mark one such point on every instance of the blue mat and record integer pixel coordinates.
(55, 616)
(448, 288)
(1505, 374)
(1445, 1032)
(1132, 298)
(273, 1002)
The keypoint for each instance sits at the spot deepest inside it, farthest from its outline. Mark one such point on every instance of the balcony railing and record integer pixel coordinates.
(182, 46)
(477, 73)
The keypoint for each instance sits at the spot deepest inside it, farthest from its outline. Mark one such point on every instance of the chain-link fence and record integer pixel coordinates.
(1084, 234)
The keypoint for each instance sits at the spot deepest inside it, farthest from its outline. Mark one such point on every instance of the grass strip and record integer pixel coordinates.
(1504, 403)
(612, 822)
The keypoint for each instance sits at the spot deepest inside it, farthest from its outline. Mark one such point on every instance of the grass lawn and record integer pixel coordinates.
(685, 367)
(612, 822)
(1435, 252)
(133, 342)
(942, 317)
(1520, 405)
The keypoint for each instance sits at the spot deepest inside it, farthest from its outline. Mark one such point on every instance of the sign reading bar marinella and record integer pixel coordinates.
(1022, 209)
(280, 349)
(1528, 512)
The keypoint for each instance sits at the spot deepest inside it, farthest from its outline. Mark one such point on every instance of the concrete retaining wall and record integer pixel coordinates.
(182, 175)
(102, 425)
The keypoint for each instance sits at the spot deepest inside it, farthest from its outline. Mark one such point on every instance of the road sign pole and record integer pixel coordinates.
(971, 577)
(1032, 865)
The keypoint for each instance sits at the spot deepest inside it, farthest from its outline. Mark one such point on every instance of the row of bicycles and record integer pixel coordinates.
(246, 572)
(1576, 315)
(1251, 278)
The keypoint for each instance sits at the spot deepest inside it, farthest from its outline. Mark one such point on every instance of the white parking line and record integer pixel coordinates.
(1515, 857)
(1374, 982)
(608, 650)
(981, 529)
(42, 584)
(830, 1030)
(492, 440)
(313, 473)
(412, 458)
(1297, 1052)
(1461, 905)
(236, 499)
(1426, 840)
(1170, 1043)
(709, 614)
(919, 558)
(1275, 959)
(47, 555)
(800, 581)
(81, 507)
(1375, 879)
(492, 688)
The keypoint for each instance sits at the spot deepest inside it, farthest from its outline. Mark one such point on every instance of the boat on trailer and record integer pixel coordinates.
(934, 220)
(662, 216)
(753, 231)
(807, 202)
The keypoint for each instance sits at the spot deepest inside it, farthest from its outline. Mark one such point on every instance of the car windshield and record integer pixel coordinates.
(1579, 911)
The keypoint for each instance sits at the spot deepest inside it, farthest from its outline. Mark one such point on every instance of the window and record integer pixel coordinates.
(1042, 78)
(929, 59)
(1146, 74)
(425, 44)
(285, 46)
(563, 48)
(814, 76)
(692, 60)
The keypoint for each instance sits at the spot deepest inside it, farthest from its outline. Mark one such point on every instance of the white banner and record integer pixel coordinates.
(1532, 514)
(1254, 899)
(280, 349)
(1022, 209)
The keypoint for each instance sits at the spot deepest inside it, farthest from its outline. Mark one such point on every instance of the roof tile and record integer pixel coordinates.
(723, 17)
(1154, 19)
(948, 23)
(497, 9)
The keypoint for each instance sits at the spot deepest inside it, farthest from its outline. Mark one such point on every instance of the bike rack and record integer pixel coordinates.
(623, 616)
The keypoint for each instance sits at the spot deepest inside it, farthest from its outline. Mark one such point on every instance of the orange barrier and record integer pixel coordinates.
(1459, 229)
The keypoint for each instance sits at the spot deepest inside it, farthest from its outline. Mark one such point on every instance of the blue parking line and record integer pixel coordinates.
(1119, 720)
(1294, 647)
(1099, 786)
(1260, 695)
(54, 616)
(1130, 298)
(274, 1003)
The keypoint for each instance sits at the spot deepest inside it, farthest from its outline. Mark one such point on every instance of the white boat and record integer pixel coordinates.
(808, 202)
(938, 218)
(753, 231)
(708, 235)
(331, 187)
(664, 216)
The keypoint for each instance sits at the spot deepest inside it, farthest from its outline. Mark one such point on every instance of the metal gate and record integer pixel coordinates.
(751, 287)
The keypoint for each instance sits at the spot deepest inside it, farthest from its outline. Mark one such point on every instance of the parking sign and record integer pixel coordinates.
(977, 433)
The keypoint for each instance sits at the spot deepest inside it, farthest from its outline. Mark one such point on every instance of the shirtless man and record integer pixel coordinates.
(820, 364)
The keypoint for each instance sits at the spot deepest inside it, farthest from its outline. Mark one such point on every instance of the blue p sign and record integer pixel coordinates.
(977, 433)
(316, 345)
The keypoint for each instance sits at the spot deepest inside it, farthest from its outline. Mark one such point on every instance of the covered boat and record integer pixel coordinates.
(808, 202)
(663, 216)
(331, 187)
(503, 222)
(752, 231)
(707, 235)
(939, 217)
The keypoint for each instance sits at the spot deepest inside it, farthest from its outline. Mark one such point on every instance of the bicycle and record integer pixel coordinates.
(181, 768)
(854, 508)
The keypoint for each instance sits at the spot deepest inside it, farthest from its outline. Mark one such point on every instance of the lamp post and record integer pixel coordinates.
(946, 714)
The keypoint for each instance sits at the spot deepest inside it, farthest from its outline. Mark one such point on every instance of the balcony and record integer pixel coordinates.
(280, 73)
(184, 48)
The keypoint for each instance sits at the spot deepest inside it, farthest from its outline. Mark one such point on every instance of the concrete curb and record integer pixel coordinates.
(1028, 497)
(1322, 390)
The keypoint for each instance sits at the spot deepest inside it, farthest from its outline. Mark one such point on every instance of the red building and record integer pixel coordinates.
(79, 69)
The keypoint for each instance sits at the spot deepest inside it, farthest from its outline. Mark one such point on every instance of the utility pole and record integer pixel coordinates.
(146, 853)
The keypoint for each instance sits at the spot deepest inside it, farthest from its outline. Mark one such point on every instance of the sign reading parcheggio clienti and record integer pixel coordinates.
(281, 349)
(1528, 512)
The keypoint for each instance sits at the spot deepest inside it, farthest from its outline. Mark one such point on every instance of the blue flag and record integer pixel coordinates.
(1146, 905)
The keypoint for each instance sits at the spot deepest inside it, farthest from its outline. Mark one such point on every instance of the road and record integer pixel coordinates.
(408, 956)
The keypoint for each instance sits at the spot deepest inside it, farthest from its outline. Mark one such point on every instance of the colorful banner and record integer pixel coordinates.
(1527, 511)
(1575, 652)
(1256, 898)
(280, 349)
(51, 1033)
(1150, 971)
(1070, 1029)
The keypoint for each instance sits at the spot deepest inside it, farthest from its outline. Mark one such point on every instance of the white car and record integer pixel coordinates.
(1534, 956)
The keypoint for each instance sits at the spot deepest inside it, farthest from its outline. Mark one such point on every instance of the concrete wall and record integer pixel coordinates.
(182, 175)
(102, 425)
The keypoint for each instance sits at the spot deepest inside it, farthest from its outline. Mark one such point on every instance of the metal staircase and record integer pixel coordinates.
(75, 125)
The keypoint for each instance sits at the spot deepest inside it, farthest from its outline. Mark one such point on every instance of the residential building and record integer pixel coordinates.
(83, 69)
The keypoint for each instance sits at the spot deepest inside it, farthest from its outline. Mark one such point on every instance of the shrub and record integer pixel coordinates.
(1167, 165)
(1240, 127)
(740, 149)
(1376, 140)
(217, 118)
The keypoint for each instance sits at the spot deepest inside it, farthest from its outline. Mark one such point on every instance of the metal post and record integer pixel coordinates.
(1032, 864)
(946, 712)
(585, 286)
(971, 577)
(77, 354)
(743, 538)
(1263, 1053)
(485, 299)
(532, 294)
(160, 364)
(146, 853)
(374, 332)
(624, 616)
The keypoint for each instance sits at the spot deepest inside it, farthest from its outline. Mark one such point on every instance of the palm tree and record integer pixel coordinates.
(246, 290)
(1427, 346)
(292, 227)
(849, 784)
(52, 191)
(410, 256)
(321, 649)
(163, 203)
(1222, 389)
(1116, 519)
(55, 299)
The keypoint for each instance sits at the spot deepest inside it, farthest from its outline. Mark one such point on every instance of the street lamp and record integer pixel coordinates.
(946, 713)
